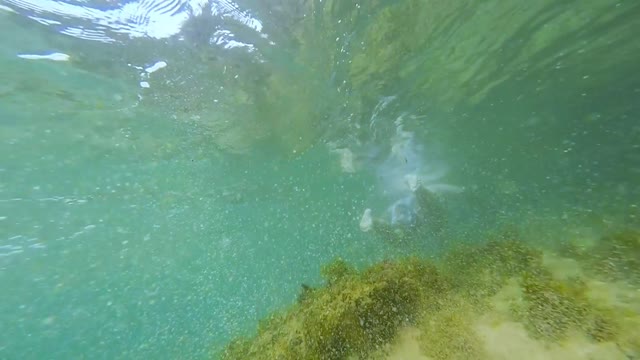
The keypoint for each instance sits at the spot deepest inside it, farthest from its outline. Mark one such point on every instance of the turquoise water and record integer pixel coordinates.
(160, 221)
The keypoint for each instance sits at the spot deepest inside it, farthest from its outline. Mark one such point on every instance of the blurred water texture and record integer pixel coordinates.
(179, 168)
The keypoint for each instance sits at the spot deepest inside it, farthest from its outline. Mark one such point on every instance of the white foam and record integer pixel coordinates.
(155, 67)
(412, 180)
(6, 8)
(52, 56)
(347, 160)
(366, 222)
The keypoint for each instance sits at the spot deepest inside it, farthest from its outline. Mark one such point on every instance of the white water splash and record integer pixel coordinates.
(53, 57)
(400, 171)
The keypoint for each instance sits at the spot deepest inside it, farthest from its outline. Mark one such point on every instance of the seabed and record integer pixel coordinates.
(502, 299)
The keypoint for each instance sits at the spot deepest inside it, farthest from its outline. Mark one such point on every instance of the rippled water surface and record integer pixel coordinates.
(173, 170)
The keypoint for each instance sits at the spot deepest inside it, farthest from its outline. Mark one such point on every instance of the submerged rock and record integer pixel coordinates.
(463, 308)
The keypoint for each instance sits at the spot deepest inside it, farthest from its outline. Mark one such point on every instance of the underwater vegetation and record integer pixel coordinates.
(448, 334)
(615, 257)
(358, 313)
(552, 307)
(355, 313)
(479, 272)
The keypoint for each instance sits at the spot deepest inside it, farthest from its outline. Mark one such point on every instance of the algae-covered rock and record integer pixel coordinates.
(614, 256)
(448, 333)
(353, 315)
(617, 256)
(336, 271)
(358, 314)
(480, 271)
(553, 307)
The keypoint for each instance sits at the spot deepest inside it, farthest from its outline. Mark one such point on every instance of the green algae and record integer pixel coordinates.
(617, 256)
(357, 314)
(336, 271)
(447, 334)
(354, 314)
(553, 307)
(614, 256)
(478, 272)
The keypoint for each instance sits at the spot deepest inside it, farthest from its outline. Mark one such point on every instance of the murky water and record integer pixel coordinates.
(172, 171)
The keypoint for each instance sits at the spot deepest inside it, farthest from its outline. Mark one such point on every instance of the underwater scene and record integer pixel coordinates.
(320, 179)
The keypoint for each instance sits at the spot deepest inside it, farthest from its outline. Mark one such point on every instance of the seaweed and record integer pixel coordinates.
(617, 256)
(479, 272)
(306, 292)
(351, 316)
(336, 271)
(614, 256)
(394, 234)
(357, 314)
(553, 307)
(447, 334)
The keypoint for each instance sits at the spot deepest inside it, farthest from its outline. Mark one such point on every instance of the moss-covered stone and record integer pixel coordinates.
(355, 314)
(617, 256)
(448, 334)
(336, 271)
(553, 307)
(306, 292)
(480, 271)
